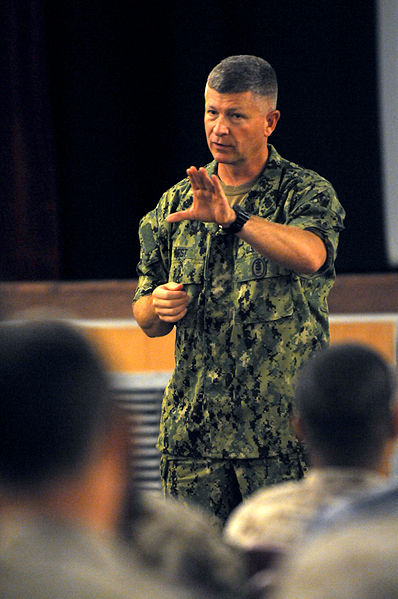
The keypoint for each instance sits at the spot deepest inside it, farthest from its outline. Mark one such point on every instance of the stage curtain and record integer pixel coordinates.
(29, 241)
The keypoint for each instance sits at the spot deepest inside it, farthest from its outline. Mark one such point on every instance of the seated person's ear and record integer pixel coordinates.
(394, 420)
(298, 428)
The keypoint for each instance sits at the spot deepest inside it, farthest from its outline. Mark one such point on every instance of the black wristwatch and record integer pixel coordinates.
(241, 218)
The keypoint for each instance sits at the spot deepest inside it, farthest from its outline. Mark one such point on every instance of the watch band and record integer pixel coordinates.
(241, 218)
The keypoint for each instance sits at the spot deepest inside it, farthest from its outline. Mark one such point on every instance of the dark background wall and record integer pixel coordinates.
(102, 105)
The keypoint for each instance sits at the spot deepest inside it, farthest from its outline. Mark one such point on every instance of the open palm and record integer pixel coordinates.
(210, 204)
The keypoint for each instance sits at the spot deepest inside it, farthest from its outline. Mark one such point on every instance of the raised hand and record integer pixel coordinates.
(210, 204)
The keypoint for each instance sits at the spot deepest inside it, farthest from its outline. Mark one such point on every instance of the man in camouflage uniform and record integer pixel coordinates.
(239, 257)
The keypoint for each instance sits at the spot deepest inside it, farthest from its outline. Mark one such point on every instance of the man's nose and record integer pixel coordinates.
(221, 127)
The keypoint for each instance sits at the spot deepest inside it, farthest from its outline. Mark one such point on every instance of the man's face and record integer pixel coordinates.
(237, 126)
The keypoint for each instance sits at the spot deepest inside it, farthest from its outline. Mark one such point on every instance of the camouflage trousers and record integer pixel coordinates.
(218, 485)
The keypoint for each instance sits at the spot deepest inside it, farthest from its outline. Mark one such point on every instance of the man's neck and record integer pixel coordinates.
(380, 466)
(92, 497)
(237, 174)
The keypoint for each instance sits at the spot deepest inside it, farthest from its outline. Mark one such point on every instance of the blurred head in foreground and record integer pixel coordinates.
(60, 431)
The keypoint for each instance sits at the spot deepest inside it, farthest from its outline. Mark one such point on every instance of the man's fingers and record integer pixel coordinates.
(205, 179)
(170, 292)
(194, 178)
(170, 303)
(216, 183)
(170, 299)
(199, 179)
(191, 172)
(171, 317)
(176, 217)
(170, 310)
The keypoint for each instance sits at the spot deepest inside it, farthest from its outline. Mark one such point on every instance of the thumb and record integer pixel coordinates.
(176, 217)
(172, 286)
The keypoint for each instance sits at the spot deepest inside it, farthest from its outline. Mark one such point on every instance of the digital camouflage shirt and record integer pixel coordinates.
(250, 323)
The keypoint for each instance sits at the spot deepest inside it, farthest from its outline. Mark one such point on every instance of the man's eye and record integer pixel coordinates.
(237, 116)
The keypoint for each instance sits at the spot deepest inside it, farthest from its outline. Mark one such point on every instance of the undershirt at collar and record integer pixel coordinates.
(236, 193)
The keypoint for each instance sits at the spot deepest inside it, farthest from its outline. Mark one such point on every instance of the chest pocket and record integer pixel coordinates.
(186, 267)
(263, 289)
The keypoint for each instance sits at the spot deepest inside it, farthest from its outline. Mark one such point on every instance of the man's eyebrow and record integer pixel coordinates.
(229, 109)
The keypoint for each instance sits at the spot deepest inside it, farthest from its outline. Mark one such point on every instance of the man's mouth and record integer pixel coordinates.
(220, 145)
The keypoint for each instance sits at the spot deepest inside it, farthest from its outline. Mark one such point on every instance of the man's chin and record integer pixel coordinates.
(222, 158)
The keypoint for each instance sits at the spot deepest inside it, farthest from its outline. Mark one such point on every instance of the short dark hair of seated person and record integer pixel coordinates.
(55, 400)
(344, 397)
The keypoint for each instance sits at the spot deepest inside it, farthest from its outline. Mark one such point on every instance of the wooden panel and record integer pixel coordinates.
(378, 334)
(86, 299)
(351, 294)
(128, 349)
(367, 293)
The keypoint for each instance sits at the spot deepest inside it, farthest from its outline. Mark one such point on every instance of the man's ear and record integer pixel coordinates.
(271, 121)
(119, 445)
(298, 428)
(394, 420)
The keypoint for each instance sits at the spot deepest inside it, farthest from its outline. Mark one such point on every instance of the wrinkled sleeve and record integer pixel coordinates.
(152, 269)
(316, 208)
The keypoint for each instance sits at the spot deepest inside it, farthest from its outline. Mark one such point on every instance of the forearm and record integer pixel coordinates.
(147, 318)
(291, 247)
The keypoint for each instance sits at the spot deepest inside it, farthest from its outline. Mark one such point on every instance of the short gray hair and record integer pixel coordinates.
(241, 73)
